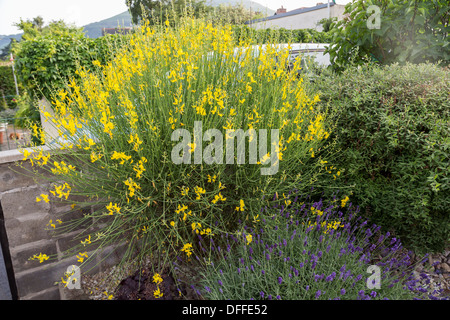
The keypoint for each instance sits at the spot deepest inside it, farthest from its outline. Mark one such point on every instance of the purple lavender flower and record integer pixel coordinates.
(342, 291)
(207, 289)
(263, 272)
(220, 283)
(280, 280)
(331, 277)
(262, 294)
(278, 297)
(318, 293)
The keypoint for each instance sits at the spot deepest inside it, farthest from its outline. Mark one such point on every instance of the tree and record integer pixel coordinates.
(236, 14)
(409, 30)
(326, 23)
(38, 22)
(35, 27)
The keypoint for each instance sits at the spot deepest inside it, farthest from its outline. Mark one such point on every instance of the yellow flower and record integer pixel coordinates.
(120, 156)
(157, 293)
(217, 198)
(181, 208)
(41, 257)
(43, 197)
(62, 168)
(199, 191)
(86, 241)
(108, 296)
(81, 256)
(192, 147)
(132, 186)
(249, 238)
(51, 224)
(241, 206)
(196, 226)
(59, 190)
(157, 278)
(113, 208)
(139, 167)
(184, 191)
(187, 248)
(206, 232)
(95, 156)
(344, 201)
(136, 141)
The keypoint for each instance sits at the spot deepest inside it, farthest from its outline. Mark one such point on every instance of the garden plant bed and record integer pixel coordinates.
(138, 285)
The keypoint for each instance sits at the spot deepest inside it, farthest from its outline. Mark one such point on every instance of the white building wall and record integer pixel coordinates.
(303, 20)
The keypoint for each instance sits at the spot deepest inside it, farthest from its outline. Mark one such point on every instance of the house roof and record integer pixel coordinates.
(292, 13)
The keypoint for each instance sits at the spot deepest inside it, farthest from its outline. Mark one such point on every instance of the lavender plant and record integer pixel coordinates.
(307, 250)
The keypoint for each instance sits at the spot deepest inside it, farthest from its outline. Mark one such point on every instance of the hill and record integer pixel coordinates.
(94, 30)
(5, 39)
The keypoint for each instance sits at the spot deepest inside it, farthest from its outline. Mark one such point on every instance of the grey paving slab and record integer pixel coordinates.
(5, 293)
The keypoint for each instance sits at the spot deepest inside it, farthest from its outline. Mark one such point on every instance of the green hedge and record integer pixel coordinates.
(283, 35)
(393, 127)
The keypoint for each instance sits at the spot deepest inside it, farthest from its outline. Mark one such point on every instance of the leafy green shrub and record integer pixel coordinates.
(393, 129)
(309, 250)
(47, 62)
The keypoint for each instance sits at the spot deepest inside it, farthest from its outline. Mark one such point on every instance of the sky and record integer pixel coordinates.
(82, 12)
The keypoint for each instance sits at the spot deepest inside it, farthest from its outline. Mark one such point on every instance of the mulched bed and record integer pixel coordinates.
(140, 286)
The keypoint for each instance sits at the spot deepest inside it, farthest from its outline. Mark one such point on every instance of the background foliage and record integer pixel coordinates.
(410, 30)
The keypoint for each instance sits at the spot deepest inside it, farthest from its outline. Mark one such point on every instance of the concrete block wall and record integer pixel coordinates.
(24, 222)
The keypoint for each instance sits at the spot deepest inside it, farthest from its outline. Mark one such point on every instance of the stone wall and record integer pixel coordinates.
(25, 221)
